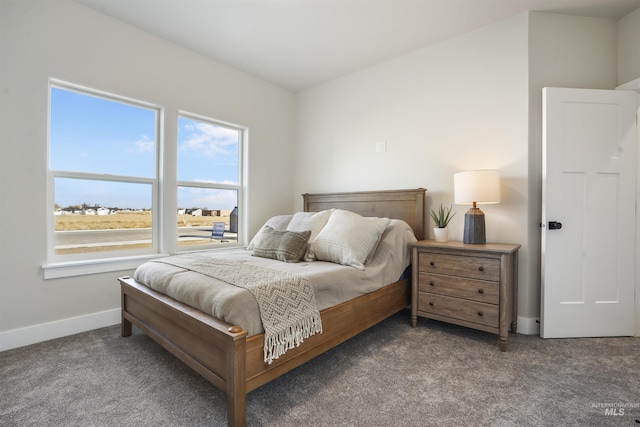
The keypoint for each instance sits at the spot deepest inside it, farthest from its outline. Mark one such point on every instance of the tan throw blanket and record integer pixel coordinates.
(287, 302)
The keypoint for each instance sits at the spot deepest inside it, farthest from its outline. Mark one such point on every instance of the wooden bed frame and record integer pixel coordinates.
(224, 355)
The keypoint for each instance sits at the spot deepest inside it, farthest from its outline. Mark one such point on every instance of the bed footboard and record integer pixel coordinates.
(224, 355)
(214, 349)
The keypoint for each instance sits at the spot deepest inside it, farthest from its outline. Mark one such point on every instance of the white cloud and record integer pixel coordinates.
(208, 139)
(144, 144)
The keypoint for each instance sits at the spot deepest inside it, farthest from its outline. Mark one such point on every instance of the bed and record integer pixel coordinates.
(233, 361)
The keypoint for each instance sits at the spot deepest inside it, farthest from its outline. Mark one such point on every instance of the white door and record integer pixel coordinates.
(588, 213)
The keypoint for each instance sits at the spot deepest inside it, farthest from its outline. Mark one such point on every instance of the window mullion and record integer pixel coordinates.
(193, 184)
(101, 177)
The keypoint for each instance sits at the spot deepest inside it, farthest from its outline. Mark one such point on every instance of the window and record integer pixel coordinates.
(208, 169)
(112, 174)
(102, 174)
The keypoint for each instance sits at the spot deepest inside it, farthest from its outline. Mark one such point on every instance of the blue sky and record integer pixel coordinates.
(94, 135)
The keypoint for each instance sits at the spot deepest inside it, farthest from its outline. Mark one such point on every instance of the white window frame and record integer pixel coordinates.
(238, 187)
(96, 262)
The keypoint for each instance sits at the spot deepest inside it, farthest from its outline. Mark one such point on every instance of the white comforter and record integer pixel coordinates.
(332, 283)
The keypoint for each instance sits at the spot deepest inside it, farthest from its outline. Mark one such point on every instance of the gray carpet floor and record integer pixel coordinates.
(391, 375)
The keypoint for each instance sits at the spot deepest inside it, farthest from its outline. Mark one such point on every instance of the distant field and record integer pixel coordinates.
(127, 220)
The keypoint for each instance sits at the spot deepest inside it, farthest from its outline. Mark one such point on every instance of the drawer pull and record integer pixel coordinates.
(431, 263)
(480, 291)
(431, 284)
(481, 268)
(430, 304)
(480, 313)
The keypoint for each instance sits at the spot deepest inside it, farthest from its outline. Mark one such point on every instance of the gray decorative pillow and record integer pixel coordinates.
(287, 246)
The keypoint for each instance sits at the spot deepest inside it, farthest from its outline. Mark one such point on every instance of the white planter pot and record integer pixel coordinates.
(442, 234)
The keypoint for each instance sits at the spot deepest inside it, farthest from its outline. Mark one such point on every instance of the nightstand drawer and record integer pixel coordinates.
(464, 266)
(471, 289)
(470, 311)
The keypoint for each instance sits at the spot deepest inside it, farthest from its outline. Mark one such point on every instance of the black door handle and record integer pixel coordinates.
(555, 225)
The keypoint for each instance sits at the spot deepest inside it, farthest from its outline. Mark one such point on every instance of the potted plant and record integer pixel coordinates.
(441, 220)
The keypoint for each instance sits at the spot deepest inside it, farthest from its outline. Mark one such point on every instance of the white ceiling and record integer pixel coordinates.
(297, 44)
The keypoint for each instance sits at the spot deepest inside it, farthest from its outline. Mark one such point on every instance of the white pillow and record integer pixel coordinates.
(348, 238)
(278, 223)
(314, 221)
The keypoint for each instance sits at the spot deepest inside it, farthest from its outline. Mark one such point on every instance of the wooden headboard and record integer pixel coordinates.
(407, 205)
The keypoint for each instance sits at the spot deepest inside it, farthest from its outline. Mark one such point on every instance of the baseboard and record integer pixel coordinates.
(60, 328)
(528, 326)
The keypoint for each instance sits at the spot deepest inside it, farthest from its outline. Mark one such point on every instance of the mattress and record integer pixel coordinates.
(332, 283)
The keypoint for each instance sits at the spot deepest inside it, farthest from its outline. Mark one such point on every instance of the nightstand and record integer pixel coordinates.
(469, 285)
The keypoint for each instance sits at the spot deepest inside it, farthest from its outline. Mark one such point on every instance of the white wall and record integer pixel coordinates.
(564, 51)
(67, 41)
(629, 47)
(461, 104)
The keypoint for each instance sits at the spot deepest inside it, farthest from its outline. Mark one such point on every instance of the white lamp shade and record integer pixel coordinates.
(481, 186)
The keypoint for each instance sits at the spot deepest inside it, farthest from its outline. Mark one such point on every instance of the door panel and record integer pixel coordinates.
(589, 185)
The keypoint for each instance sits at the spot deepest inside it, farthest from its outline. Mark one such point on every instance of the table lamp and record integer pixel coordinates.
(476, 188)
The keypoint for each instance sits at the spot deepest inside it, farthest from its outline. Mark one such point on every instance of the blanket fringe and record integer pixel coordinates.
(276, 344)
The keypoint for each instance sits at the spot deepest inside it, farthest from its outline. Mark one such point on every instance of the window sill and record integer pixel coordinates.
(94, 266)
